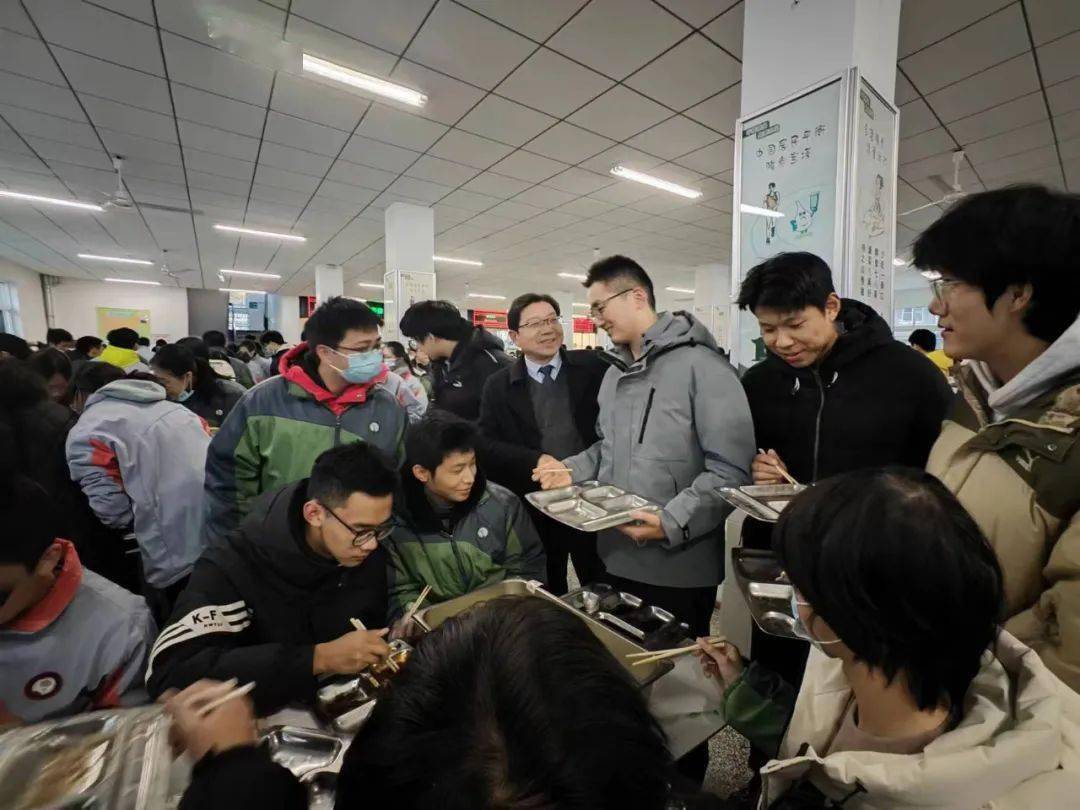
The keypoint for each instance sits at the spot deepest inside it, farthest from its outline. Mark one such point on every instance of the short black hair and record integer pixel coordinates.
(54, 336)
(214, 338)
(336, 316)
(924, 339)
(440, 433)
(93, 376)
(178, 360)
(620, 268)
(856, 546)
(439, 318)
(29, 515)
(14, 345)
(787, 282)
(88, 343)
(144, 341)
(271, 336)
(124, 338)
(347, 469)
(513, 315)
(1024, 234)
(160, 342)
(514, 703)
(50, 361)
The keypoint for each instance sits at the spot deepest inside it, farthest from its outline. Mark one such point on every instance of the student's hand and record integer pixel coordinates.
(765, 468)
(721, 660)
(405, 630)
(230, 725)
(32, 589)
(551, 473)
(646, 527)
(351, 653)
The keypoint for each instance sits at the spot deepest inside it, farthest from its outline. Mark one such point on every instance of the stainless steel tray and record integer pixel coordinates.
(654, 627)
(346, 703)
(766, 588)
(764, 502)
(591, 506)
(302, 750)
(617, 644)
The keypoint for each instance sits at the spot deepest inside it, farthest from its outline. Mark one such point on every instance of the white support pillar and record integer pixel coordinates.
(712, 287)
(328, 282)
(410, 263)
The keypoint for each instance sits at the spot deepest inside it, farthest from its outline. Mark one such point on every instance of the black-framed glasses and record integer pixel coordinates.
(365, 533)
(597, 309)
(347, 350)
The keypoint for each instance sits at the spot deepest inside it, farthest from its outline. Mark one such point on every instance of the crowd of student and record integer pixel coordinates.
(192, 514)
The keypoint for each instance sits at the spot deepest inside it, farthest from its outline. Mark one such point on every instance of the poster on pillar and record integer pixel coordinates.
(402, 289)
(871, 246)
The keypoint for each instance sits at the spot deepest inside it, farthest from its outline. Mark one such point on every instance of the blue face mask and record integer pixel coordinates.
(185, 395)
(363, 366)
(800, 629)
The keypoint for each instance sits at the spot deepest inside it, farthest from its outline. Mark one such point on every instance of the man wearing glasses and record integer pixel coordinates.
(276, 603)
(541, 409)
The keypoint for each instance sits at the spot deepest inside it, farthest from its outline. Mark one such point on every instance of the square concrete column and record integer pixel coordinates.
(410, 262)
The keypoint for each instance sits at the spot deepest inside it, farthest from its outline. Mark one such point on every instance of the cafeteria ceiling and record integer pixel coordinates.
(529, 105)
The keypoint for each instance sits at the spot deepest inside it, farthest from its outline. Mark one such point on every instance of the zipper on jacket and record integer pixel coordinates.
(817, 423)
(457, 558)
(337, 429)
(645, 419)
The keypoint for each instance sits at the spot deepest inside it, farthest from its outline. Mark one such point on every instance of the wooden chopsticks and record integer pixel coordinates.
(239, 691)
(359, 625)
(416, 605)
(780, 469)
(652, 656)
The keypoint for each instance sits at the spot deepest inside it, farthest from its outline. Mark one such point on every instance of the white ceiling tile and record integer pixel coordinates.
(1067, 127)
(448, 98)
(470, 200)
(400, 129)
(215, 111)
(922, 146)
(1051, 19)
(552, 83)
(1004, 82)
(966, 53)
(587, 207)
(515, 210)
(619, 114)
(579, 181)
(460, 42)
(543, 197)
(34, 95)
(301, 134)
(527, 166)
(1063, 97)
(385, 25)
(616, 37)
(904, 92)
(123, 117)
(378, 154)
(97, 32)
(29, 122)
(720, 111)
(1020, 140)
(672, 138)
(923, 22)
(535, 20)
(209, 69)
(216, 183)
(687, 74)
(471, 150)
(135, 149)
(27, 56)
(211, 163)
(916, 117)
(50, 150)
(355, 195)
(209, 139)
(496, 185)
(712, 159)
(1010, 115)
(1058, 60)
(442, 171)
(623, 216)
(623, 193)
(197, 20)
(568, 143)
(14, 19)
(355, 174)
(315, 102)
(621, 153)
(294, 160)
(90, 75)
(728, 30)
(270, 176)
(276, 194)
(696, 12)
(329, 44)
(505, 121)
(1070, 149)
(447, 216)
(420, 190)
(1018, 165)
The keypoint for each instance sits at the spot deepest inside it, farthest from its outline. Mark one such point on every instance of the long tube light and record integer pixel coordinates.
(18, 195)
(761, 212)
(575, 276)
(655, 182)
(485, 295)
(363, 81)
(134, 281)
(292, 237)
(369, 285)
(117, 259)
(238, 290)
(679, 290)
(248, 273)
(448, 260)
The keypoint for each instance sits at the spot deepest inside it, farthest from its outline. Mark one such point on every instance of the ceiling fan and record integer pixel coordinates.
(120, 200)
(174, 274)
(952, 193)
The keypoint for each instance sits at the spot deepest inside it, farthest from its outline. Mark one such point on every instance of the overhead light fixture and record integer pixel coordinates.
(579, 304)
(134, 281)
(18, 195)
(369, 285)
(575, 276)
(485, 295)
(898, 262)
(238, 290)
(118, 259)
(761, 212)
(448, 260)
(363, 81)
(291, 237)
(655, 182)
(679, 290)
(248, 273)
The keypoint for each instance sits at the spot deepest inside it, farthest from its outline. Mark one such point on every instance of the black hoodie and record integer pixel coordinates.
(256, 606)
(871, 402)
(461, 386)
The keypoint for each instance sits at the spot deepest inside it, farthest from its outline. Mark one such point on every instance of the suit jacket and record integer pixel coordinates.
(511, 437)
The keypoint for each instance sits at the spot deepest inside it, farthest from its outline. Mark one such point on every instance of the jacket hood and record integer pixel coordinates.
(121, 358)
(1061, 359)
(862, 330)
(481, 340)
(671, 330)
(298, 367)
(130, 390)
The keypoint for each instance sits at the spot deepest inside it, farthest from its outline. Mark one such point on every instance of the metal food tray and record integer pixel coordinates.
(591, 506)
(764, 502)
(303, 751)
(617, 644)
(654, 627)
(345, 703)
(766, 588)
(116, 759)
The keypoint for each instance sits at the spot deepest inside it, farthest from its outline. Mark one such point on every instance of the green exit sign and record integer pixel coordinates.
(377, 307)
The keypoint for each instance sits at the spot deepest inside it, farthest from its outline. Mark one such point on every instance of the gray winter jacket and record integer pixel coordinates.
(674, 427)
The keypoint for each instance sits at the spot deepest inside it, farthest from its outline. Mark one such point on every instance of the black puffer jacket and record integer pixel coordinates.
(871, 402)
(216, 406)
(459, 388)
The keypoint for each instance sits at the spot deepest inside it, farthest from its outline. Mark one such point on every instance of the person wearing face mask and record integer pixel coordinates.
(329, 392)
(189, 380)
(275, 603)
(914, 697)
(397, 360)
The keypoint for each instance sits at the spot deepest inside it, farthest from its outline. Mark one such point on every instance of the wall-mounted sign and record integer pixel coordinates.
(489, 319)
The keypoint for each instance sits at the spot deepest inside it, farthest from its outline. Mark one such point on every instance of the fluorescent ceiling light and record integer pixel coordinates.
(237, 289)
(369, 285)
(655, 182)
(898, 262)
(119, 259)
(134, 281)
(679, 290)
(761, 212)
(248, 273)
(485, 295)
(578, 304)
(572, 275)
(363, 81)
(448, 260)
(18, 195)
(292, 237)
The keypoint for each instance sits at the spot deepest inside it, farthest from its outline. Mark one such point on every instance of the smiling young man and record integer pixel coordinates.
(1008, 302)
(329, 392)
(275, 603)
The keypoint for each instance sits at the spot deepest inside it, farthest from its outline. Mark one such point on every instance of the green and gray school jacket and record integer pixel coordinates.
(485, 540)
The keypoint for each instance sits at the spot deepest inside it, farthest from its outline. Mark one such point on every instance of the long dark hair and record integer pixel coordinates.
(400, 353)
(178, 361)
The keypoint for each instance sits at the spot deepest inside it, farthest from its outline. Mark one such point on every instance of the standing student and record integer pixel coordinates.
(86, 349)
(215, 341)
(60, 339)
(121, 351)
(541, 409)
(674, 427)
(189, 380)
(925, 342)
(398, 361)
(55, 368)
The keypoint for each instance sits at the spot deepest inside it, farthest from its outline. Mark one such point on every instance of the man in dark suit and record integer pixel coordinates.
(540, 409)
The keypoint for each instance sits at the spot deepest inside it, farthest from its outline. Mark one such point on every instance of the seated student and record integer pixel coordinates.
(514, 704)
(70, 640)
(274, 604)
(121, 351)
(454, 530)
(189, 380)
(913, 696)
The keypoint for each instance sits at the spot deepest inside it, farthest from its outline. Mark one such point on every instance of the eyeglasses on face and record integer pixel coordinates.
(546, 322)
(364, 534)
(940, 288)
(597, 309)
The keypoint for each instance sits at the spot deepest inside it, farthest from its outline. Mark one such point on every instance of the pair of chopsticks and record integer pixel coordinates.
(780, 469)
(652, 656)
(359, 625)
(551, 469)
(416, 605)
(239, 691)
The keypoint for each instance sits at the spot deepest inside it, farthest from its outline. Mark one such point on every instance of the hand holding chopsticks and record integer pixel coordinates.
(208, 717)
(652, 656)
(767, 464)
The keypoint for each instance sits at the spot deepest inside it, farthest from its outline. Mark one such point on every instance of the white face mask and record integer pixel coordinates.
(800, 629)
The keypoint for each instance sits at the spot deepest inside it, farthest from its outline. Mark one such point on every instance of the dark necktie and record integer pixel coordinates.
(545, 372)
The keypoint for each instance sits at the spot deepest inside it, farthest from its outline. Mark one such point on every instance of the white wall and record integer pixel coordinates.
(31, 299)
(75, 306)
